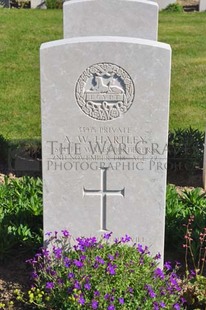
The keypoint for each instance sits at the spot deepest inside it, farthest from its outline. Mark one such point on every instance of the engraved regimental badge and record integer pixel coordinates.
(104, 91)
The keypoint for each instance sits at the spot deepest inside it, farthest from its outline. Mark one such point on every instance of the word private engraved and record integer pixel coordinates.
(104, 91)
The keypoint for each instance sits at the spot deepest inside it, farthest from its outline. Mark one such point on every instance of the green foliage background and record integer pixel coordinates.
(21, 216)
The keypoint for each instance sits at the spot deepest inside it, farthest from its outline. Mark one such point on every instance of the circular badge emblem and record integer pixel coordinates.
(104, 91)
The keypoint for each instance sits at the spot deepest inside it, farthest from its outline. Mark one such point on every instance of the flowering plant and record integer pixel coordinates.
(194, 283)
(100, 275)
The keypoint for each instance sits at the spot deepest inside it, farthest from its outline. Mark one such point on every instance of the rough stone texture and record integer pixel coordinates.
(202, 5)
(132, 145)
(131, 18)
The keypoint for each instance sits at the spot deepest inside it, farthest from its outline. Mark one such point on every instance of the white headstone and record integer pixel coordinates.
(104, 130)
(202, 5)
(164, 3)
(38, 4)
(204, 165)
(136, 18)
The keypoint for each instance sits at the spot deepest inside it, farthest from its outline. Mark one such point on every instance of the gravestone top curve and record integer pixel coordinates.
(129, 18)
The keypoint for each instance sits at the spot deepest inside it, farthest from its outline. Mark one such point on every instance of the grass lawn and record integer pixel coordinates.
(185, 33)
(22, 32)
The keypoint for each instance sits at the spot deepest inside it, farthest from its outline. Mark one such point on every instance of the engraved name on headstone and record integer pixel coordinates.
(105, 102)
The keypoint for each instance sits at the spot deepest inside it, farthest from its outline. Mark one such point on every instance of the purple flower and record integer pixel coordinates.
(162, 291)
(176, 306)
(173, 280)
(99, 260)
(49, 233)
(85, 243)
(71, 275)
(31, 261)
(155, 305)
(183, 300)
(57, 252)
(78, 263)
(67, 262)
(49, 285)
(126, 239)
(65, 233)
(140, 249)
(121, 300)
(107, 235)
(81, 300)
(50, 271)
(45, 252)
(111, 269)
(192, 273)
(34, 275)
(157, 256)
(111, 257)
(168, 266)
(150, 291)
(130, 290)
(77, 285)
(116, 240)
(111, 307)
(107, 296)
(95, 304)
(158, 273)
(162, 304)
(96, 293)
(87, 286)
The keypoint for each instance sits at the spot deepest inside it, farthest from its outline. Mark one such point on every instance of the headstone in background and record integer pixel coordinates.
(105, 103)
(4, 3)
(38, 4)
(202, 5)
(138, 19)
(164, 3)
(204, 165)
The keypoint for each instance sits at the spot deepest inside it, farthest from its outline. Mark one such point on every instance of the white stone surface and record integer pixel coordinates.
(131, 192)
(204, 165)
(202, 5)
(37, 4)
(131, 18)
(164, 3)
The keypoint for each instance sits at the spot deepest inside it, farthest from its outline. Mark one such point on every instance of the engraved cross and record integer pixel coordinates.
(104, 192)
